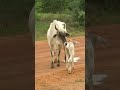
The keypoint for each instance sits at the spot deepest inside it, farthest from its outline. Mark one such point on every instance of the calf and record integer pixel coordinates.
(70, 52)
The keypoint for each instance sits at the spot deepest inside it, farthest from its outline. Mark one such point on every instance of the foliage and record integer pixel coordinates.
(52, 6)
(74, 7)
(78, 9)
(72, 12)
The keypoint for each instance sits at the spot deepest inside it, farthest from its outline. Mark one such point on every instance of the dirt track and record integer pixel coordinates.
(58, 78)
(17, 64)
(106, 59)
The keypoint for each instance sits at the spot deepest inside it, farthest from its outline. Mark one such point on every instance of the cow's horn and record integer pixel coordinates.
(56, 28)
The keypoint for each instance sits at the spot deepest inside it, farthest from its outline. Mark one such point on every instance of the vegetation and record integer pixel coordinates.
(72, 12)
(76, 13)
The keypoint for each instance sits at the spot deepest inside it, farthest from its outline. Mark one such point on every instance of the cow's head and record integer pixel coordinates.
(60, 28)
(66, 44)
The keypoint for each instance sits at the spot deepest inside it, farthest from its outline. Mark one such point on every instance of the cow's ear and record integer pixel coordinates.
(64, 26)
(67, 34)
(56, 28)
(54, 35)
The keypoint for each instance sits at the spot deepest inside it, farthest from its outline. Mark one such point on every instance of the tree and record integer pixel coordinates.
(53, 6)
(78, 9)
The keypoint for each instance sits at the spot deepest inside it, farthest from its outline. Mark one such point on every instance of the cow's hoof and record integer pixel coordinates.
(58, 64)
(52, 67)
(69, 72)
(52, 64)
(55, 61)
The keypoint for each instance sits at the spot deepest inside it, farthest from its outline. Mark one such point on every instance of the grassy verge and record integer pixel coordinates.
(43, 21)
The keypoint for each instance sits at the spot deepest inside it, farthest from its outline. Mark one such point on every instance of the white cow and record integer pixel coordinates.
(91, 40)
(56, 36)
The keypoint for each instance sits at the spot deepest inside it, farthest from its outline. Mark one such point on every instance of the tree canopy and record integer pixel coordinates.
(74, 7)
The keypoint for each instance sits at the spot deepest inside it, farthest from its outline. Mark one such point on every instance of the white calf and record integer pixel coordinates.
(70, 52)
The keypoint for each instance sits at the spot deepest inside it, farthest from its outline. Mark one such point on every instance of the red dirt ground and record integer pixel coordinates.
(58, 78)
(106, 62)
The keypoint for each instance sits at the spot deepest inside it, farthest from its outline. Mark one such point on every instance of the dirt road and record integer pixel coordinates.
(58, 78)
(106, 59)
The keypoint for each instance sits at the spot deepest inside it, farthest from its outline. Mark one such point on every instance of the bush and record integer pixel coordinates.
(79, 16)
(49, 17)
(43, 21)
(53, 6)
(77, 7)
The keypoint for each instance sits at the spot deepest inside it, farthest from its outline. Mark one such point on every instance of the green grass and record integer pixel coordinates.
(42, 27)
(43, 21)
(49, 17)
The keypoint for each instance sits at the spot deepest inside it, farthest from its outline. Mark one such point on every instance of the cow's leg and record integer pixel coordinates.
(52, 60)
(65, 54)
(55, 55)
(58, 56)
(69, 64)
(69, 67)
(73, 63)
(55, 60)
